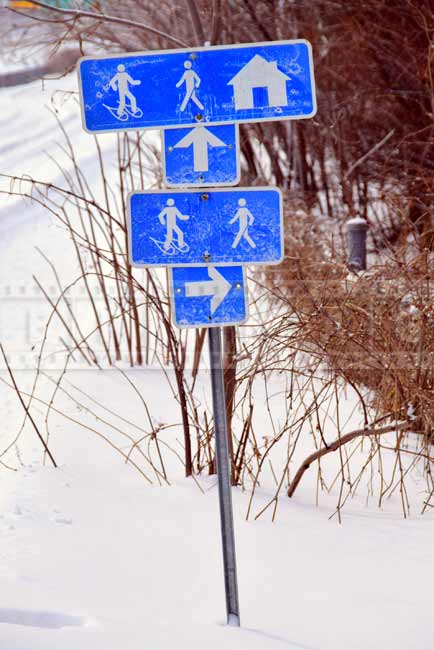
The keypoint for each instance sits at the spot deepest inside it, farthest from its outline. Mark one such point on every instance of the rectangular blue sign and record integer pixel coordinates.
(218, 227)
(207, 296)
(202, 155)
(210, 85)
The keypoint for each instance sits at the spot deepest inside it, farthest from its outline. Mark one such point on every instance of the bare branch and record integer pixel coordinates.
(197, 23)
(78, 13)
(337, 444)
(18, 392)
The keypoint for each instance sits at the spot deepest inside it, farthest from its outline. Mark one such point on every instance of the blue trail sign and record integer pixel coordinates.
(210, 85)
(208, 296)
(218, 227)
(204, 155)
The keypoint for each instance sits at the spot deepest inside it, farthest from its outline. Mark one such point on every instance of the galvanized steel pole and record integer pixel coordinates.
(224, 476)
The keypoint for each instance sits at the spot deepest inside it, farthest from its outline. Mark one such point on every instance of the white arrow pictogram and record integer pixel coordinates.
(200, 138)
(218, 287)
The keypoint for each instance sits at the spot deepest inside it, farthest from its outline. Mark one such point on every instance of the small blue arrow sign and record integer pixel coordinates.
(206, 296)
(211, 85)
(218, 227)
(205, 156)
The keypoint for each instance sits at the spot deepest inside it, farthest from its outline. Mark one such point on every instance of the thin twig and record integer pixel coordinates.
(336, 444)
(78, 13)
(18, 392)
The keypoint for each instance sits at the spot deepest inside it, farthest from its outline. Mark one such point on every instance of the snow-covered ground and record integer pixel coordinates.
(94, 557)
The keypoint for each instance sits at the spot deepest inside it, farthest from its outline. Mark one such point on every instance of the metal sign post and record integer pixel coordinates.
(224, 476)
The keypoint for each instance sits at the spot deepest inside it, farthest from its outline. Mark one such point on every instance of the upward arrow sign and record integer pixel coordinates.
(200, 137)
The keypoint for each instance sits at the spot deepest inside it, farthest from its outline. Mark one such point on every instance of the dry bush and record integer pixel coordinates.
(374, 329)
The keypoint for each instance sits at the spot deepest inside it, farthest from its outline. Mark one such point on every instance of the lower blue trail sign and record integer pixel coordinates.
(205, 156)
(208, 295)
(218, 227)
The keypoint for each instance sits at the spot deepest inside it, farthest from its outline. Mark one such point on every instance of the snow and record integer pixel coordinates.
(357, 221)
(94, 557)
(116, 562)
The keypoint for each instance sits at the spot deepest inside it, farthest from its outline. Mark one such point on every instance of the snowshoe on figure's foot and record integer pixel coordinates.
(114, 111)
(138, 113)
(170, 250)
(126, 113)
(182, 249)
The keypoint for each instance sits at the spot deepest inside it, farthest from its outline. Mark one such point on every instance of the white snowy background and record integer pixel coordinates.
(92, 557)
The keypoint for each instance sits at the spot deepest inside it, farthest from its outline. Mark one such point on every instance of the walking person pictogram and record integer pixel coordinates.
(121, 82)
(246, 219)
(192, 81)
(168, 217)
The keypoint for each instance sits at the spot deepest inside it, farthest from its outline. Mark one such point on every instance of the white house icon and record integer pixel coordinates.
(259, 73)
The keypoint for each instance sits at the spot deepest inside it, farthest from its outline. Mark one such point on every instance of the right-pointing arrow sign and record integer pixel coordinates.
(205, 296)
(200, 138)
(218, 287)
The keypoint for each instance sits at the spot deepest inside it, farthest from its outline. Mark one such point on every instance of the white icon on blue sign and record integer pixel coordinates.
(259, 73)
(192, 81)
(208, 295)
(245, 219)
(174, 240)
(121, 83)
(205, 156)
